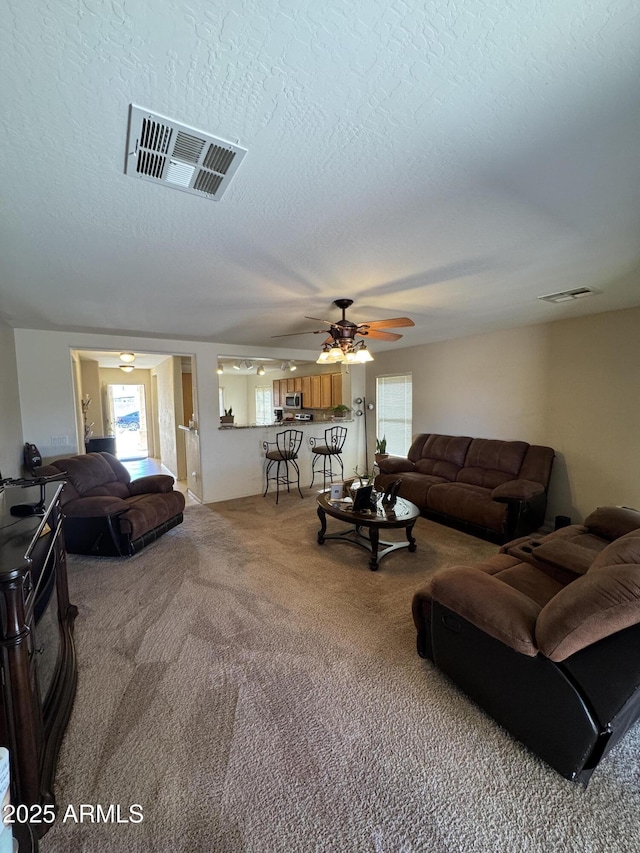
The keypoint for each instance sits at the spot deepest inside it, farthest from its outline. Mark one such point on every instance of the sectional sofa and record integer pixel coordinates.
(545, 635)
(491, 488)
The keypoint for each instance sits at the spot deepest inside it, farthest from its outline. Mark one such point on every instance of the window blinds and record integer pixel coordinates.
(394, 412)
(264, 410)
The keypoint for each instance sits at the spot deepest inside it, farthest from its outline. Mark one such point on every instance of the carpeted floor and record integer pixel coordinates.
(254, 691)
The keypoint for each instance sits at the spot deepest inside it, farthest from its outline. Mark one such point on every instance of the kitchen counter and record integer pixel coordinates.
(286, 424)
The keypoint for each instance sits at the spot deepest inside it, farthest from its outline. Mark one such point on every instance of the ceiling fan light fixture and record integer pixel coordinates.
(323, 358)
(126, 368)
(127, 357)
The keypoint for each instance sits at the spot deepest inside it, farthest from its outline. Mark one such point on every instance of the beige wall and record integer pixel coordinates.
(172, 442)
(11, 440)
(569, 384)
(90, 384)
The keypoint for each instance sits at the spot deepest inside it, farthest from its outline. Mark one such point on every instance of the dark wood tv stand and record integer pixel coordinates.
(37, 657)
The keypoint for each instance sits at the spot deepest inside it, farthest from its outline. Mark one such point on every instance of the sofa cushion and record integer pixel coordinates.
(414, 487)
(145, 512)
(610, 522)
(443, 456)
(490, 462)
(115, 489)
(626, 549)
(415, 451)
(86, 472)
(593, 607)
(122, 475)
(468, 503)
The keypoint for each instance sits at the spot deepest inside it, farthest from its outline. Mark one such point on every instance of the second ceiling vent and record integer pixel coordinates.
(165, 152)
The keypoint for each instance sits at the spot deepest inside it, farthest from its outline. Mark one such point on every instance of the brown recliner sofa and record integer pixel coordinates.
(493, 489)
(108, 514)
(545, 637)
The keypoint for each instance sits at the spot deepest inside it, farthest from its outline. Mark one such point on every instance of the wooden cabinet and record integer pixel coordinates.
(325, 391)
(336, 389)
(37, 655)
(315, 392)
(321, 391)
(305, 387)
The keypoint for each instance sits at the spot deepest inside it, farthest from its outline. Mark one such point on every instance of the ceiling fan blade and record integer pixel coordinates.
(380, 335)
(306, 332)
(389, 324)
(319, 319)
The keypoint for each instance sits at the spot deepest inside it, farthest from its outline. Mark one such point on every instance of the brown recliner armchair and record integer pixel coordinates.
(545, 636)
(108, 514)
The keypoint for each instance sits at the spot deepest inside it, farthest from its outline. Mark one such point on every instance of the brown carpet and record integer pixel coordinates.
(254, 691)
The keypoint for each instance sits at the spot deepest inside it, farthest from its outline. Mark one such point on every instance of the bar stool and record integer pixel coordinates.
(284, 453)
(334, 439)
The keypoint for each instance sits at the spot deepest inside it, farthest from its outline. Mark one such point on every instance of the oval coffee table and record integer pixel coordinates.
(402, 515)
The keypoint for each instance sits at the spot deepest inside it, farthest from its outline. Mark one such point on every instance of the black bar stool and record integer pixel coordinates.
(334, 439)
(284, 453)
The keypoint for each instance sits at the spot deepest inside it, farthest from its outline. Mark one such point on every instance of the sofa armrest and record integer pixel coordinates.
(591, 608)
(100, 506)
(517, 490)
(150, 484)
(493, 606)
(396, 465)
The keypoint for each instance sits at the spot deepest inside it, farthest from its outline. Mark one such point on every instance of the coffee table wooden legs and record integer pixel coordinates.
(370, 542)
(323, 525)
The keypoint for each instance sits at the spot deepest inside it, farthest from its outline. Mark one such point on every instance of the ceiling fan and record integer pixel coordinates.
(341, 344)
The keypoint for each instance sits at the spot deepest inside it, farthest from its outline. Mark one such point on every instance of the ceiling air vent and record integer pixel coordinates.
(568, 295)
(165, 152)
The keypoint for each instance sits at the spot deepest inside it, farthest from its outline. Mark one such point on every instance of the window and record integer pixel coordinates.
(264, 407)
(394, 412)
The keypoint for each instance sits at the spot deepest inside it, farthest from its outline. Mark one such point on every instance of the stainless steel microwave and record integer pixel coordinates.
(293, 401)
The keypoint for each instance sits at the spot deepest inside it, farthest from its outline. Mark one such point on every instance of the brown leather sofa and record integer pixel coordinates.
(545, 637)
(108, 514)
(494, 489)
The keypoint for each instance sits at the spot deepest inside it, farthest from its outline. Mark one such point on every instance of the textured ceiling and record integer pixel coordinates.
(446, 161)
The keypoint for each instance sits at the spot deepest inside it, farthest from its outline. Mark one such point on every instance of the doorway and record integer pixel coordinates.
(128, 413)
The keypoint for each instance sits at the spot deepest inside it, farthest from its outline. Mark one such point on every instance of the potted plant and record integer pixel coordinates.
(381, 448)
(340, 412)
(227, 418)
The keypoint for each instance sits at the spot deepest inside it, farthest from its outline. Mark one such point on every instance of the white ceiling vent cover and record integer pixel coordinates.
(165, 152)
(569, 295)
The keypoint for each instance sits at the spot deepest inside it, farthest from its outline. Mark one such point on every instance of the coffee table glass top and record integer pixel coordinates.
(402, 511)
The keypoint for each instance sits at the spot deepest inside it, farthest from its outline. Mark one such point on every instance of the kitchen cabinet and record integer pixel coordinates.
(306, 390)
(336, 389)
(321, 391)
(325, 391)
(315, 392)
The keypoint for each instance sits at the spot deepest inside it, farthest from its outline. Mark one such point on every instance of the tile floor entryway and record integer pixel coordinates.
(143, 467)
